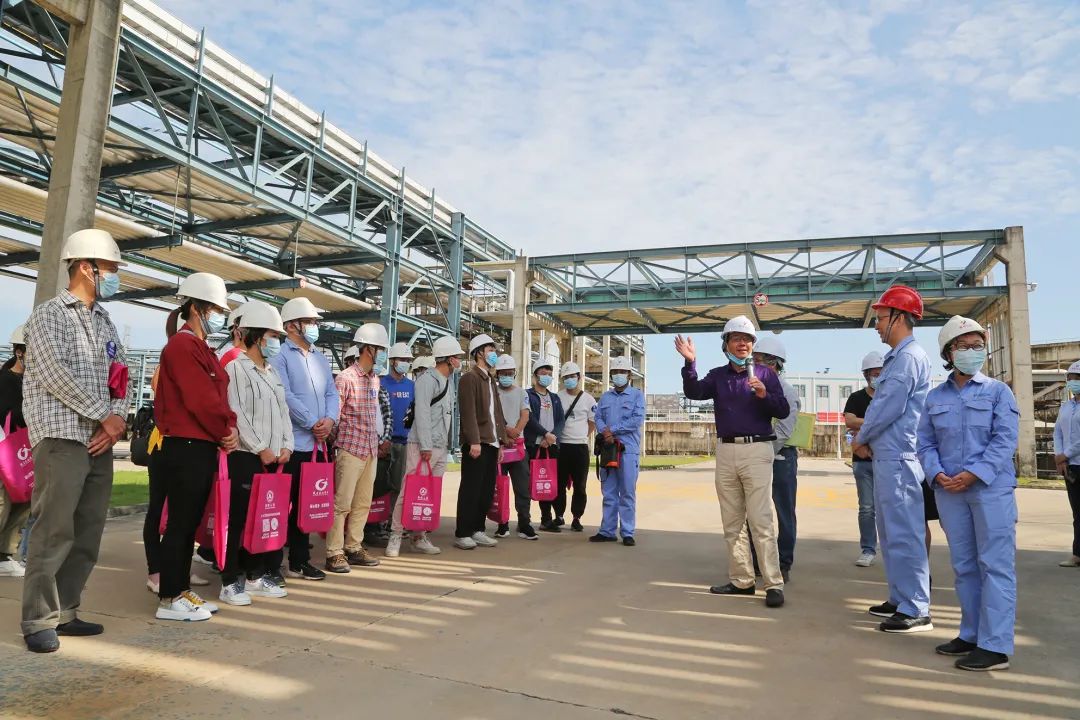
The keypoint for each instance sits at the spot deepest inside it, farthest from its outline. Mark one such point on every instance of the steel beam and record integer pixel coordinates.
(237, 287)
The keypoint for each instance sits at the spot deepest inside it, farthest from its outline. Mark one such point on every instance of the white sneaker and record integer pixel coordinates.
(196, 557)
(234, 594)
(865, 560)
(422, 545)
(265, 587)
(393, 546)
(204, 604)
(197, 581)
(483, 540)
(12, 568)
(465, 543)
(181, 609)
(154, 587)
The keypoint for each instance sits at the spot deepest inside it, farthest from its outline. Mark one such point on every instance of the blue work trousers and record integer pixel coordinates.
(619, 488)
(980, 524)
(864, 486)
(785, 485)
(901, 525)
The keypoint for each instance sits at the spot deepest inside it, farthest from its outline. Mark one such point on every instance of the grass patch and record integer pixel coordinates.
(130, 487)
(665, 460)
(1041, 483)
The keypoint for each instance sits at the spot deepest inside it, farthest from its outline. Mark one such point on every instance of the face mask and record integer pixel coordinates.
(506, 380)
(1074, 386)
(380, 362)
(968, 362)
(544, 380)
(271, 348)
(311, 333)
(570, 383)
(401, 367)
(874, 382)
(108, 285)
(491, 358)
(213, 323)
(620, 380)
(739, 362)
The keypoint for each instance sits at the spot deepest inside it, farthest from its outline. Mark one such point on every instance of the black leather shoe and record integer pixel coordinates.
(79, 628)
(955, 648)
(732, 589)
(901, 623)
(774, 598)
(601, 538)
(885, 610)
(980, 660)
(43, 641)
(576, 525)
(629, 541)
(549, 526)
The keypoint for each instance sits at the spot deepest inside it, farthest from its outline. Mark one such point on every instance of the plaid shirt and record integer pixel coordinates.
(69, 348)
(357, 431)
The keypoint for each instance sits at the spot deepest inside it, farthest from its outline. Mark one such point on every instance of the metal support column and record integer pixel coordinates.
(89, 75)
(520, 342)
(1012, 255)
(457, 271)
(391, 274)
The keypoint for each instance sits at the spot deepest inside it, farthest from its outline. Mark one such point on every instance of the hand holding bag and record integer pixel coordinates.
(544, 476)
(421, 499)
(316, 495)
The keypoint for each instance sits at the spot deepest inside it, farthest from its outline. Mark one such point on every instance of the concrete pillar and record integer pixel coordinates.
(1012, 255)
(605, 364)
(521, 339)
(89, 78)
(645, 392)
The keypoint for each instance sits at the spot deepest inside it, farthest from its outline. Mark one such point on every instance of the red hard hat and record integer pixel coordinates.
(901, 297)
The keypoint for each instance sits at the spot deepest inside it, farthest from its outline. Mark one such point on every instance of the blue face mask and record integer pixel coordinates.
(874, 382)
(544, 380)
(1074, 386)
(968, 362)
(108, 285)
(271, 348)
(401, 367)
(311, 334)
(214, 323)
(570, 383)
(740, 362)
(506, 380)
(380, 362)
(491, 358)
(620, 379)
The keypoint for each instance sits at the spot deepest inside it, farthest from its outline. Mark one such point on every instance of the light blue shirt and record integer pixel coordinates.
(893, 416)
(309, 390)
(974, 428)
(1067, 431)
(624, 414)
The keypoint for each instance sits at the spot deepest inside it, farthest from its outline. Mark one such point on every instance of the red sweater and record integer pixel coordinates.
(191, 400)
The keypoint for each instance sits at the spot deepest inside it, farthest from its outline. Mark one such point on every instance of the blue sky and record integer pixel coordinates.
(606, 125)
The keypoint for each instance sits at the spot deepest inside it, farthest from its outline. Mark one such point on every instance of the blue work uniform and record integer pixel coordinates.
(623, 413)
(310, 391)
(889, 428)
(976, 428)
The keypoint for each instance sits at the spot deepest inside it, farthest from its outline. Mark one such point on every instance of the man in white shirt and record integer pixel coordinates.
(574, 436)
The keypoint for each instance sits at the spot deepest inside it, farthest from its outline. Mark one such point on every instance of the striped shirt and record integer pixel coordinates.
(258, 399)
(357, 429)
(69, 348)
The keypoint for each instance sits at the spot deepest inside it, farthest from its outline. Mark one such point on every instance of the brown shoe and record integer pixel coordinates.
(337, 564)
(361, 557)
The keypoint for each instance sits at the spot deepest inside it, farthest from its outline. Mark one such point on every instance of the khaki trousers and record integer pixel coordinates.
(354, 481)
(744, 488)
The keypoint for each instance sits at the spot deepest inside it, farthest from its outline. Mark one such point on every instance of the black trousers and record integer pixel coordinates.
(299, 552)
(239, 563)
(188, 468)
(573, 469)
(1073, 489)
(477, 489)
(152, 523)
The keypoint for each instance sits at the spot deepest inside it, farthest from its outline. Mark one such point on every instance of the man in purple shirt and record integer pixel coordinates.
(746, 398)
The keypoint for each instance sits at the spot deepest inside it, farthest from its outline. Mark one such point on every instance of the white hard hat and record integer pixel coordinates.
(543, 362)
(1074, 369)
(620, 363)
(206, 287)
(299, 308)
(956, 327)
(400, 350)
(769, 344)
(506, 362)
(424, 361)
(569, 368)
(446, 346)
(261, 315)
(235, 315)
(17, 336)
(91, 245)
(352, 352)
(872, 361)
(370, 334)
(739, 324)
(480, 341)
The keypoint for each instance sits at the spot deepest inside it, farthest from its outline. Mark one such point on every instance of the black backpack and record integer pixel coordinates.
(141, 428)
(410, 414)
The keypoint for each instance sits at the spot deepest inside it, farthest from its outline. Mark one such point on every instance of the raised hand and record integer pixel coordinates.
(685, 347)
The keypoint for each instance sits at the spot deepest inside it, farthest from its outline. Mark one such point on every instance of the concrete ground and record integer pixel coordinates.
(564, 628)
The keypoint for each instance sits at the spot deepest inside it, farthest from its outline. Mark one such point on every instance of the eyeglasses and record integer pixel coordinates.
(978, 347)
